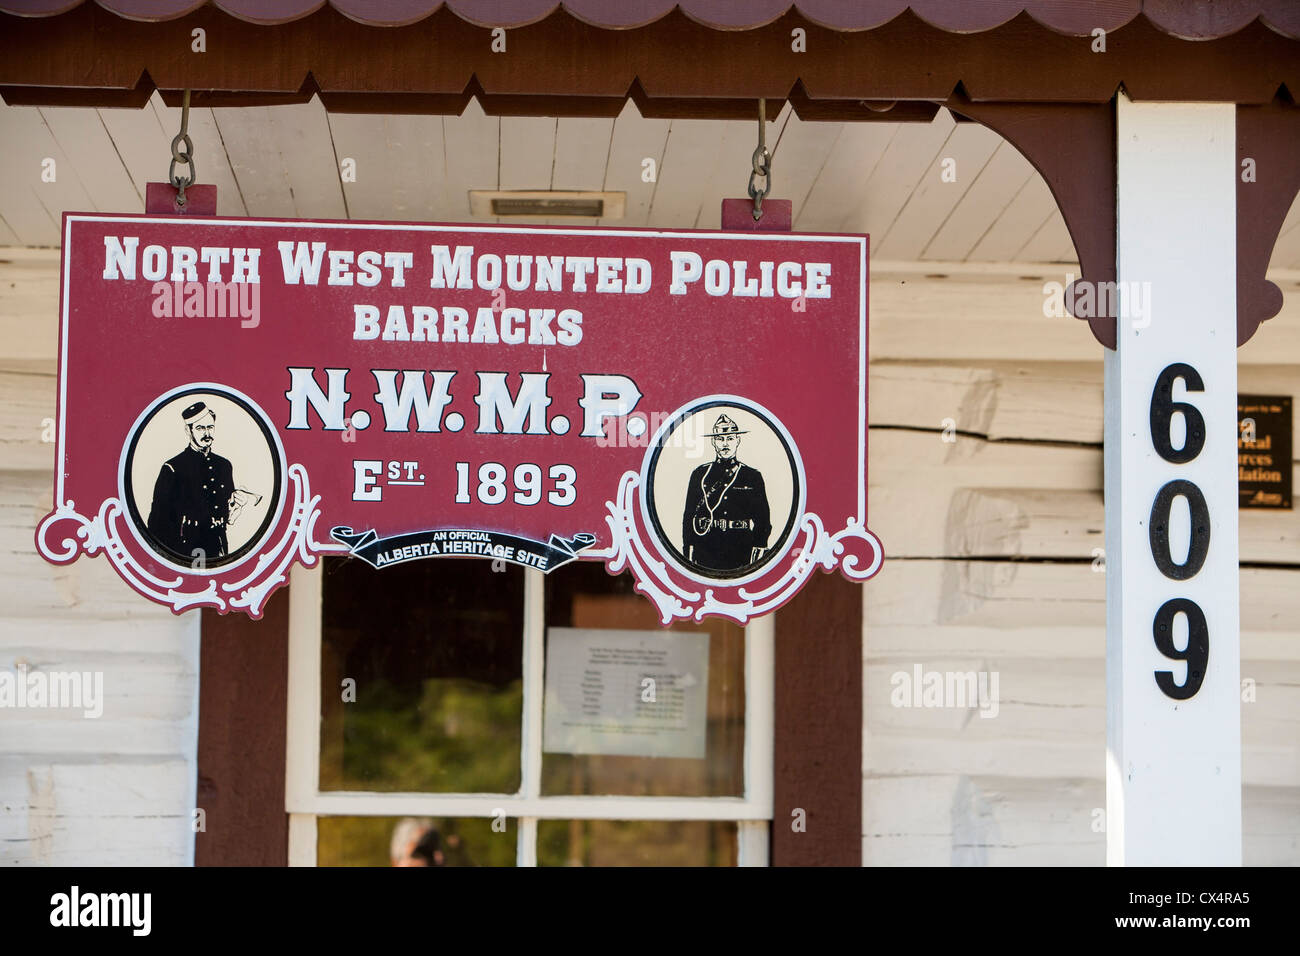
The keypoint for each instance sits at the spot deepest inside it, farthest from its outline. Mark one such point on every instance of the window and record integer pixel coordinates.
(419, 693)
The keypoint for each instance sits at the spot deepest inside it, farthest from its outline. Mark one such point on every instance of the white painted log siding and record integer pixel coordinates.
(1022, 481)
(989, 567)
(119, 789)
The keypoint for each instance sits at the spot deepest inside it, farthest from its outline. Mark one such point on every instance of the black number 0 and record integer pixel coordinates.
(1158, 527)
(1197, 653)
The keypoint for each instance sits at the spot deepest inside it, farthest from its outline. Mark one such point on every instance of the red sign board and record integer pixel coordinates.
(236, 394)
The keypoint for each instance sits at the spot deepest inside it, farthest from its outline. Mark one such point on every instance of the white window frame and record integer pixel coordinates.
(304, 800)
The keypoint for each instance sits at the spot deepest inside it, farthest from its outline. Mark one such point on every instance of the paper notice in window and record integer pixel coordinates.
(627, 693)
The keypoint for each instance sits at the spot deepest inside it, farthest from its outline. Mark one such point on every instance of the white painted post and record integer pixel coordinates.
(1173, 778)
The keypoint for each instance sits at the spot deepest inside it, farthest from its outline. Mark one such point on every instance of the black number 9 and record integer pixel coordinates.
(1196, 655)
(1163, 407)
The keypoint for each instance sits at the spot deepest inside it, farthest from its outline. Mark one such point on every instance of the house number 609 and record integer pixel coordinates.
(1197, 652)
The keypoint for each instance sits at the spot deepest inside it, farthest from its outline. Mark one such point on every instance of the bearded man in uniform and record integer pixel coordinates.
(726, 524)
(194, 498)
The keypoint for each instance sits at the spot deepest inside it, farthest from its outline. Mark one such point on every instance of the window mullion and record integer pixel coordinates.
(752, 843)
(526, 854)
(531, 749)
(302, 839)
(534, 659)
(303, 706)
(760, 690)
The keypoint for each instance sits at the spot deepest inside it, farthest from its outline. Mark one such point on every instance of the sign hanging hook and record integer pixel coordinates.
(762, 163)
(186, 157)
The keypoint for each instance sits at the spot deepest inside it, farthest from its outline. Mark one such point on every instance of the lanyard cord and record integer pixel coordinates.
(705, 492)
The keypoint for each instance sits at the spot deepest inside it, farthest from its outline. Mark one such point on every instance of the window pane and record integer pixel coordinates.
(636, 843)
(414, 841)
(614, 695)
(421, 676)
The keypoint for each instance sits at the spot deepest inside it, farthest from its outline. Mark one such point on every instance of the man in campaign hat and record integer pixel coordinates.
(726, 524)
(194, 498)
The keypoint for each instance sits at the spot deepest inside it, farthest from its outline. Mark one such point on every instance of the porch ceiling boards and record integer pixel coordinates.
(288, 161)
(886, 179)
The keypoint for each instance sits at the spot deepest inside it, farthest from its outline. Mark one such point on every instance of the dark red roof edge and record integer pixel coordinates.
(1187, 19)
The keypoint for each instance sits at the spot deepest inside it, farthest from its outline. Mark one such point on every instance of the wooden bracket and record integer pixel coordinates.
(1072, 145)
(1269, 138)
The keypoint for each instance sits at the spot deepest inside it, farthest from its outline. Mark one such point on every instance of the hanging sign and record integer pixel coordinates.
(238, 394)
(1264, 451)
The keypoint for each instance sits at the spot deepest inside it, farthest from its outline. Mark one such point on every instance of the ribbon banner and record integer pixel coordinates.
(236, 395)
(461, 543)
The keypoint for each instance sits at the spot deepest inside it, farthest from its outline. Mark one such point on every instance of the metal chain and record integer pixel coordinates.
(186, 157)
(762, 163)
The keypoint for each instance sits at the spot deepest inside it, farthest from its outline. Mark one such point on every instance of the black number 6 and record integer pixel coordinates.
(1163, 407)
